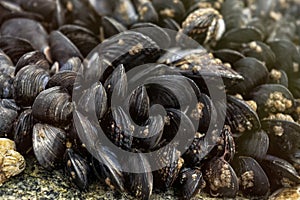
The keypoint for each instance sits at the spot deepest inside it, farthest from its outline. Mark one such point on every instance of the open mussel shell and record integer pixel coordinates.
(28, 83)
(94, 101)
(23, 132)
(64, 79)
(14, 47)
(280, 172)
(139, 185)
(32, 58)
(240, 116)
(48, 145)
(62, 48)
(284, 138)
(77, 169)
(8, 115)
(189, 182)
(253, 180)
(53, 106)
(247, 143)
(82, 38)
(170, 161)
(27, 29)
(111, 26)
(228, 55)
(220, 177)
(272, 98)
(254, 73)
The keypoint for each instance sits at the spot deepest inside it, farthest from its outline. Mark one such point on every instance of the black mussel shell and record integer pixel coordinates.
(77, 169)
(72, 64)
(220, 178)
(139, 184)
(111, 26)
(284, 138)
(247, 144)
(254, 182)
(169, 9)
(272, 98)
(23, 132)
(6, 86)
(28, 83)
(53, 106)
(94, 101)
(48, 145)
(125, 12)
(82, 38)
(260, 51)
(228, 55)
(29, 30)
(280, 172)
(32, 58)
(64, 79)
(232, 11)
(254, 73)
(14, 47)
(62, 48)
(240, 116)
(189, 182)
(139, 105)
(294, 86)
(280, 77)
(8, 115)
(170, 163)
(146, 11)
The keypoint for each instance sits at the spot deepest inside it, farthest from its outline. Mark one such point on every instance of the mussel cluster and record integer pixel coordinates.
(148, 95)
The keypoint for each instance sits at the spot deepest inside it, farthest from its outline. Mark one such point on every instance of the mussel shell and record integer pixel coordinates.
(94, 101)
(139, 105)
(125, 12)
(228, 55)
(280, 172)
(284, 138)
(14, 47)
(7, 117)
(82, 38)
(23, 132)
(220, 178)
(254, 73)
(6, 85)
(272, 98)
(240, 116)
(62, 48)
(139, 185)
(28, 83)
(64, 79)
(48, 145)
(146, 11)
(111, 26)
(32, 58)
(189, 182)
(169, 9)
(53, 106)
(27, 29)
(253, 180)
(246, 144)
(77, 169)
